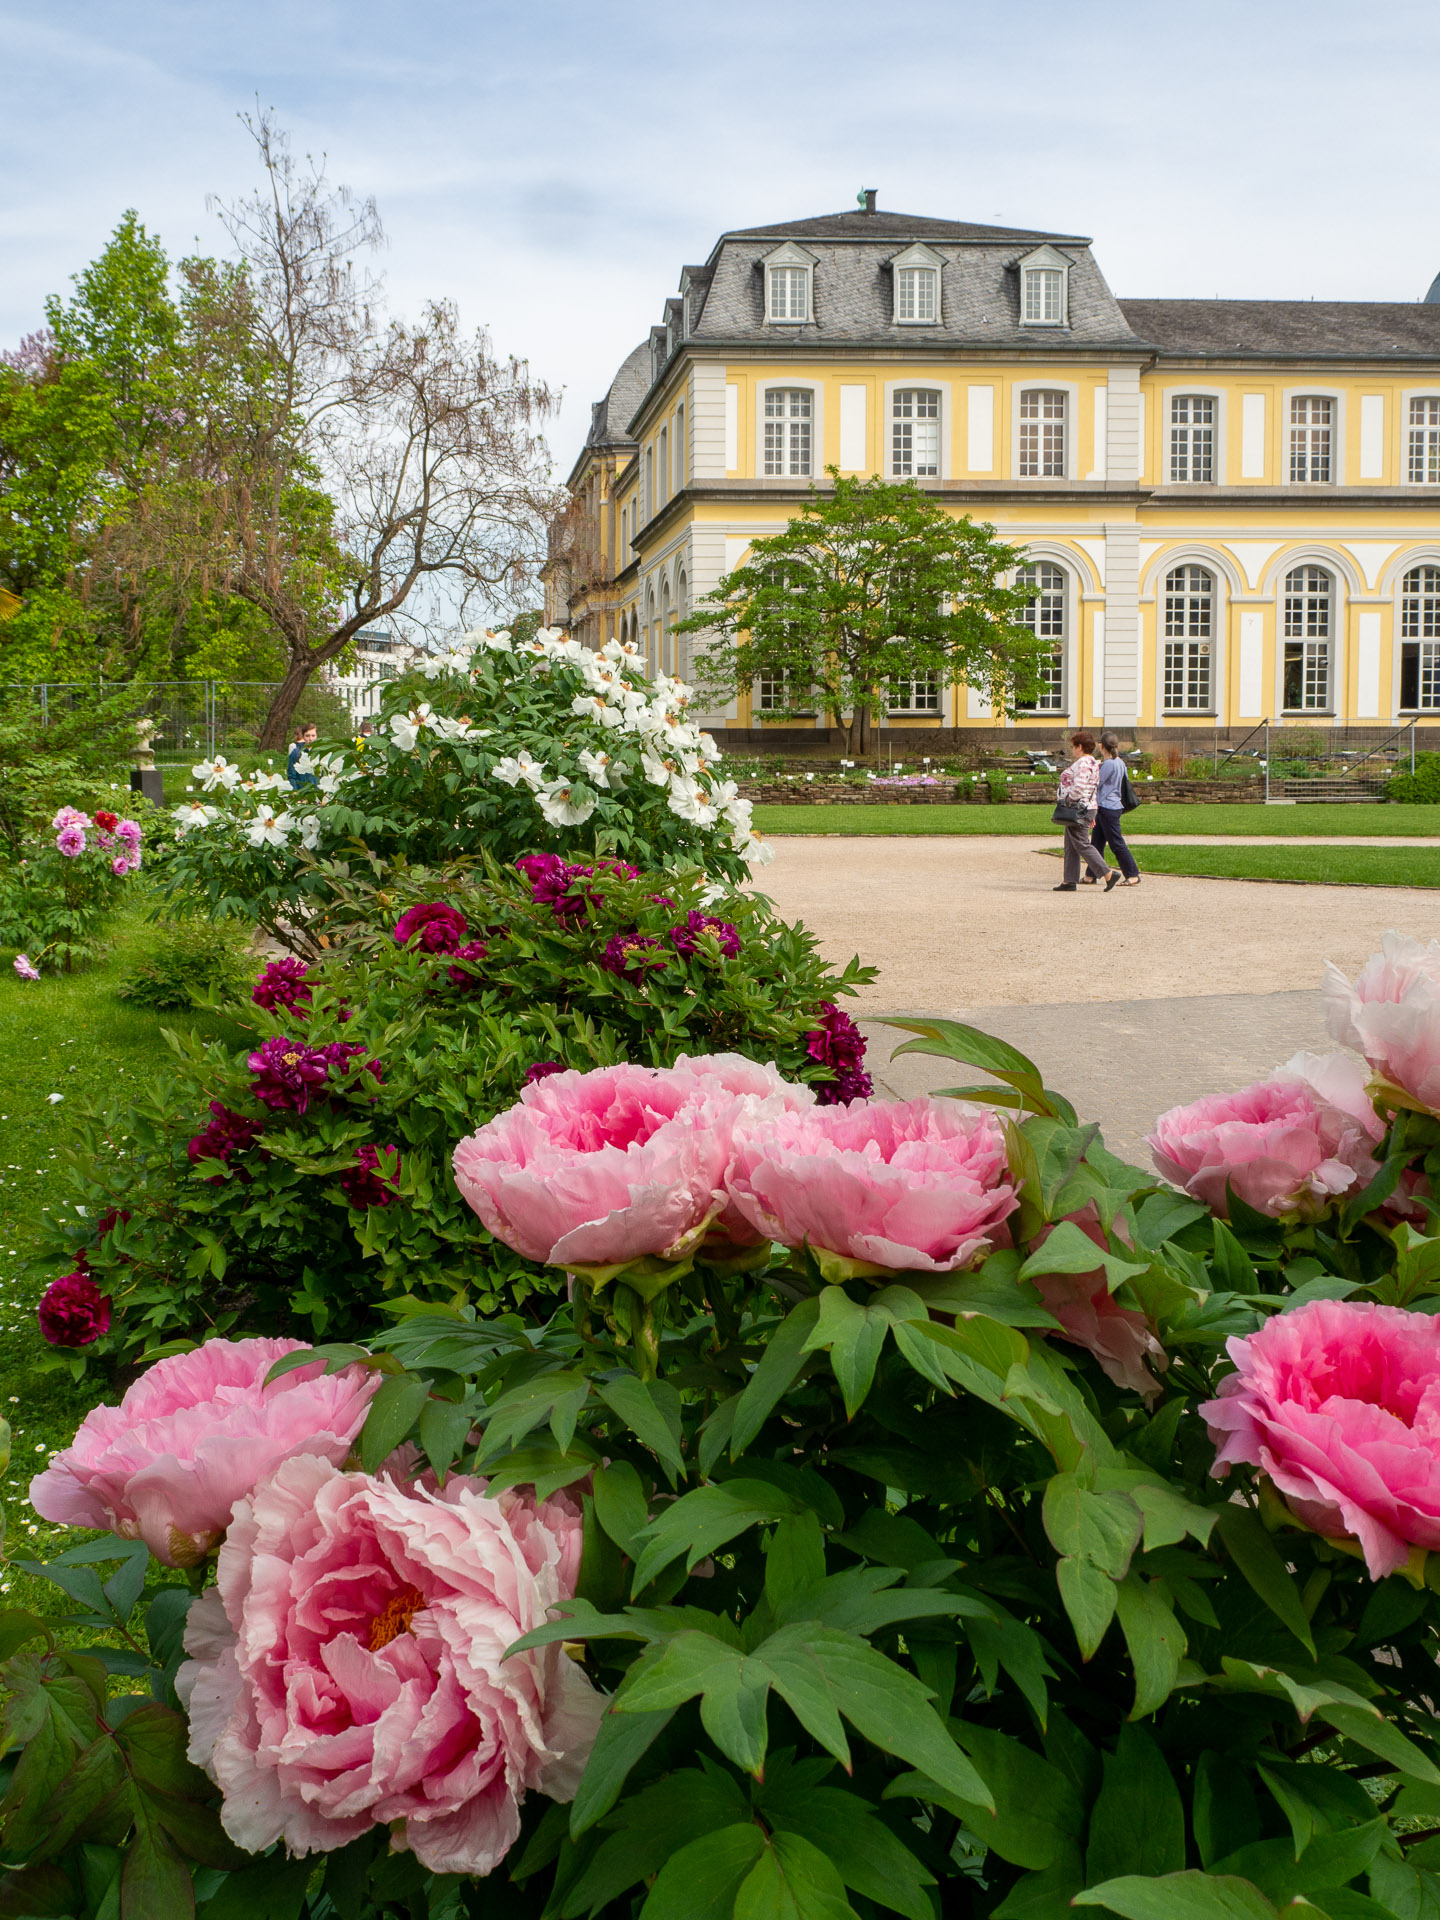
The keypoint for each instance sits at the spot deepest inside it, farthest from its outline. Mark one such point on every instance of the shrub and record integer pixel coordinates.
(501, 745)
(252, 1202)
(70, 876)
(191, 958)
(1421, 787)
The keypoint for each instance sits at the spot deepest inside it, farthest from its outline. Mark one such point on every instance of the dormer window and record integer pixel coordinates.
(1045, 289)
(916, 274)
(788, 273)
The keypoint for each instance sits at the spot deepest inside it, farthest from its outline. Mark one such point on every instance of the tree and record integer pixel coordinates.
(872, 586)
(354, 469)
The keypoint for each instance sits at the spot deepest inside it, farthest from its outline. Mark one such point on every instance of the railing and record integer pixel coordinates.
(1396, 735)
(202, 716)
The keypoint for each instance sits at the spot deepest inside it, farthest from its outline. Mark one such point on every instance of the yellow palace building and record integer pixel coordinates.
(1230, 508)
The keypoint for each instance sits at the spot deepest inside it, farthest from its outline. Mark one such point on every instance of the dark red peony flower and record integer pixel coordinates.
(288, 1073)
(228, 1133)
(542, 1070)
(371, 1181)
(461, 976)
(440, 927)
(628, 954)
(282, 984)
(111, 1218)
(552, 881)
(839, 1044)
(73, 1311)
(340, 1053)
(683, 938)
(107, 822)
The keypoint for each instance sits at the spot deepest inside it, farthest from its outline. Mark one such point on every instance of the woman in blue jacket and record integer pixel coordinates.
(1109, 813)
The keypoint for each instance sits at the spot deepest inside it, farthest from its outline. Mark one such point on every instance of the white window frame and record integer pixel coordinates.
(1045, 260)
(1217, 396)
(1406, 398)
(1164, 639)
(1069, 604)
(1334, 681)
(662, 467)
(1072, 412)
(679, 451)
(908, 709)
(792, 259)
(1415, 564)
(757, 699)
(917, 260)
(1336, 397)
(938, 387)
(817, 420)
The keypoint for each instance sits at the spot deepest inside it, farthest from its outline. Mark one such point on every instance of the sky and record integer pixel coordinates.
(551, 166)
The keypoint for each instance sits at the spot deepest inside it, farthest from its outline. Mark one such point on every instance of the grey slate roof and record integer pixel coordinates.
(1302, 329)
(610, 417)
(882, 225)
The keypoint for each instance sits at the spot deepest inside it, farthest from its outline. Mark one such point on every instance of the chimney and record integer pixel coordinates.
(865, 199)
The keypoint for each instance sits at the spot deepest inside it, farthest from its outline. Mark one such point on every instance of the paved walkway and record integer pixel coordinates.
(1131, 1001)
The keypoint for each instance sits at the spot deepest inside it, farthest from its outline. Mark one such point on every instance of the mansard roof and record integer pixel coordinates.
(880, 225)
(610, 417)
(1289, 329)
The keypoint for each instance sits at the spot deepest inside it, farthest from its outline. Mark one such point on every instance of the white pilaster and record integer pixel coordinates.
(1122, 424)
(707, 420)
(980, 429)
(1252, 665)
(1121, 705)
(708, 562)
(1252, 436)
(1367, 665)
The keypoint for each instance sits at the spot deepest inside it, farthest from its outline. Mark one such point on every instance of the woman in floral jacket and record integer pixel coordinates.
(1079, 783)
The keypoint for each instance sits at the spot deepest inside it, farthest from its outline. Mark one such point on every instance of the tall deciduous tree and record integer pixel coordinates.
(872, 586)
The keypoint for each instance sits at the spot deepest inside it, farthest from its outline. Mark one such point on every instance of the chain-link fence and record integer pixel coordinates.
(210, 716)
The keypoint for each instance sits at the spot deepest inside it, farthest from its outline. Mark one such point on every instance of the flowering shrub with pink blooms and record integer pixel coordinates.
(879, 1506)
(69, 878)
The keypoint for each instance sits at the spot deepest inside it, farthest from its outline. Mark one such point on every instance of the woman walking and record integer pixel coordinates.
(1079, 783)
(1110, 811)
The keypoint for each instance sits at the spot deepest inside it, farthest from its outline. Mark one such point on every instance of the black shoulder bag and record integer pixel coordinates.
(1129, 799)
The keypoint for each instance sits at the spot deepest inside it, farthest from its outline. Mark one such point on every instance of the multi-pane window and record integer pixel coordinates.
(1042, 434)
(787, 429)
(1046, 614)
(1044, 296)
(1312, 425)
(915, 432)
(918, 694)
(916, 293)
(1309, 594)
(1192, 438)
(779, 693)
(1420, 639)
(1425, 442)
(789, 293)
(1189, 630)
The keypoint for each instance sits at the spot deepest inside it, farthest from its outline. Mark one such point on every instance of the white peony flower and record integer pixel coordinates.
(591, 706)
(655, 770)
(758, 852)
(600, 769)
(310, 831)
(194, 813)
(493, 641)
(218, 772)
(268, 828)
(445, 728)
(689, 800)
(564, 805)
(405, 728)
(709, 748)
(516, 767)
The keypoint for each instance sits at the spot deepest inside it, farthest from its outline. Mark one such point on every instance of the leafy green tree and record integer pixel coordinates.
(872, 586)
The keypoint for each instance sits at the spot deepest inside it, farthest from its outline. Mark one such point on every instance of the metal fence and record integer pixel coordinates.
(210, 716)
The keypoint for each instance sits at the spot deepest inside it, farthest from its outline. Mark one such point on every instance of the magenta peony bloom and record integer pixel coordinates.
(339, 1054)
(1392, 1016)
(1091, 1317)
(838, 1043)
(70, 817)
(597, 1169)
(120, 866)
(194, 1435)
(474, 950)
(630, 954)
(542, 1070)
(73, 1311)
(371, 1182)
(347, 1669)
(70, 841)
(128, 831)
(26, 967)
(283, 983)
(683, 938)
(899, 1186)
(287, 1073)
(1339, 1404)
(552, 881)
(1284, 1149)
(227, 1133)
(435, 926)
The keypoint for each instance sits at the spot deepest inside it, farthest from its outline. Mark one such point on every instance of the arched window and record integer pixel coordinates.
(1189, 634)
(664, 466)
(1309, 625)
(682, 607)
(1042, 434)
(1192, 438)
(679, 448)
(667, 636)
(916, 290)
(649, 482)
(1046, 614)
(1420, 640)
(652, 633)
(914, 432)
(1425, 442)
(1312, 426)
(787, 430)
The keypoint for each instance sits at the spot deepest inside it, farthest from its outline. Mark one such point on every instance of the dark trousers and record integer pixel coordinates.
(1108, 833)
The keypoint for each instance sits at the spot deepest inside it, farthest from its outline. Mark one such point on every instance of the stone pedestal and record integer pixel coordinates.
(149, 781)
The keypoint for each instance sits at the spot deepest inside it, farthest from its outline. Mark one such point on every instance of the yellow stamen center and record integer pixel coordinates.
(395, 1617)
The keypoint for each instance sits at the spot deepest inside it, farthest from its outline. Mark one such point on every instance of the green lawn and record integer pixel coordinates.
(1317, 819)
(74, 1038)
(1330, 866)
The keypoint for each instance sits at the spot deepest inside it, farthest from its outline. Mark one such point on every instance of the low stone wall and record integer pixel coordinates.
(823, 793)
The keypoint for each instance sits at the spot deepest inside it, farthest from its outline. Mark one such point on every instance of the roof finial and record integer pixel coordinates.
(865, 199)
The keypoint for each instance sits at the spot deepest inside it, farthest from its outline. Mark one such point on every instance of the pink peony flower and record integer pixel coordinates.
(120, 867)
(70, 841)
(1340, 1405)
(596, 1169)
(70, 817)
(191, 1437)
(73, 1311)
(26, 967)
(1283, 1148)
(1091, 1317)
(283, 984)
(1392, 1016)
(900, 1185)
(434, 927)
(129, 831)
(347, 1669)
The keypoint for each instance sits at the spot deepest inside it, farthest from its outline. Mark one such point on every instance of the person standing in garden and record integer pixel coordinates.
(1110, 812)
(305, 738)
(1079, 783)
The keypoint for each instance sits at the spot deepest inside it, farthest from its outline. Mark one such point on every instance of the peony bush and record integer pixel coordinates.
(898, 1507)
(56, 895)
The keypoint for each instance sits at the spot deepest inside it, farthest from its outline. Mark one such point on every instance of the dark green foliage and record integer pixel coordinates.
(1421, 787)
(191, 957)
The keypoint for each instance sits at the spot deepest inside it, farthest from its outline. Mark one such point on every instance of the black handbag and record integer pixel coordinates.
(1069, 813)
(1129, 799)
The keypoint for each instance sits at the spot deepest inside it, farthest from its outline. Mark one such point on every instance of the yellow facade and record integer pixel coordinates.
(1232, 508)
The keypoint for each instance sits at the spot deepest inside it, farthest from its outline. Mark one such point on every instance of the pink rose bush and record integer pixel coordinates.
(348, 1668)
(1392, 1015)
(895, 1186)
(1339, 1405)
(194, 1435)
(1288, 1146)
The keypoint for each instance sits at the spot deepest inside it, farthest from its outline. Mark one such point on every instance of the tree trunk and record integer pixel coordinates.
(858, 731)
(276, 730)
